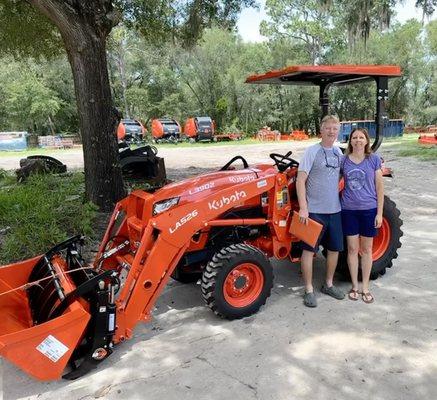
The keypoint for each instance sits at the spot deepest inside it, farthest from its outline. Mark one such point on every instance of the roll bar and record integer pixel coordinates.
(325, 76)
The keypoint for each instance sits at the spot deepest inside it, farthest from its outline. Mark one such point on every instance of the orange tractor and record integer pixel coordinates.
(223, 227)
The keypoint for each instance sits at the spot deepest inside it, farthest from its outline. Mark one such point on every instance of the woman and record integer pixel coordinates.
(362, 204)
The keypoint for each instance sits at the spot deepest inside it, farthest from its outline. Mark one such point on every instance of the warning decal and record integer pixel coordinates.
(52, 348)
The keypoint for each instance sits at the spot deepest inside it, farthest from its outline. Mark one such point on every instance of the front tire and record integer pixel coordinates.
(237, 281)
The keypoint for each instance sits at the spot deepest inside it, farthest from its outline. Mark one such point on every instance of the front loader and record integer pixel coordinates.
(62, 317)
(59, 311)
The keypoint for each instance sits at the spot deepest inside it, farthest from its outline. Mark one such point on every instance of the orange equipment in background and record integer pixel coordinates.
(428, 139)
(199, 128)
(130, 131)
(166, 130)
(265, 134)
(295, 135)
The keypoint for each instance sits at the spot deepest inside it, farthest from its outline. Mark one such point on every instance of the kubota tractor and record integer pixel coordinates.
(222, 226)
(166, 130)
(199, 129)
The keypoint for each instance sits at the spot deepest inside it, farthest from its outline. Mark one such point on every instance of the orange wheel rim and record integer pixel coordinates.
(243, 285)
(381, 240)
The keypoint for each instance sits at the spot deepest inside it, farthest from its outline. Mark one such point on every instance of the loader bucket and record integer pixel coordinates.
(37, 335)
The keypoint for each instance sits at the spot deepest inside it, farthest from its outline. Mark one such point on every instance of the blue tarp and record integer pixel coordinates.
(13, 141)
(393, 128)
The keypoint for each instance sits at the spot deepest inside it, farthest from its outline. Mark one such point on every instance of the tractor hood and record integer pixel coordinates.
(193, 189)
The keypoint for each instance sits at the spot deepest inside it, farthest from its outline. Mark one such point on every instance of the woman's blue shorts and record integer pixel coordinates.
(359, 222)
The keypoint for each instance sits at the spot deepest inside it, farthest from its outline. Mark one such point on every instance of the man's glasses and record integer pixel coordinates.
(337, 158)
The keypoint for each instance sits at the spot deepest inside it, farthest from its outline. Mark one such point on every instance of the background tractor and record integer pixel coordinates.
(223, 226)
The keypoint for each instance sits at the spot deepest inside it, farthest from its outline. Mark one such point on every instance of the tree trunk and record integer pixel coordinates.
(84, 27)
(98, 121)
(122, 70)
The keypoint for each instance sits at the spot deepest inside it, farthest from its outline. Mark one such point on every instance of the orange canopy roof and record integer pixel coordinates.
(323, 74)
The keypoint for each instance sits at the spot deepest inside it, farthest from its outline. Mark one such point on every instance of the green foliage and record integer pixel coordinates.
(165, 79)
(183, 22)
(25, 32)
(29, 103)
(308, 23)
(428, 6)
(431, 30)
(41, 212)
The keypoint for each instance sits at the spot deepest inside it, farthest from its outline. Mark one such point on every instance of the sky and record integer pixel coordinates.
(248, 24)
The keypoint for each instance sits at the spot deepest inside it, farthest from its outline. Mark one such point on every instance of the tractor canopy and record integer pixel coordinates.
(325, 76)
(320, 75)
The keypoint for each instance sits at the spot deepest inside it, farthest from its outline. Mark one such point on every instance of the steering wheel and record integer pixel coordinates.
(229, 163)
(283, 161)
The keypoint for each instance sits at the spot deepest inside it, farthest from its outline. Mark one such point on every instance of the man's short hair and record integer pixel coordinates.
(329, 118)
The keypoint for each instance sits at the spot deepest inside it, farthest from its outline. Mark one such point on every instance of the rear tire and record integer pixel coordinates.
(385, 244)
(237, 281)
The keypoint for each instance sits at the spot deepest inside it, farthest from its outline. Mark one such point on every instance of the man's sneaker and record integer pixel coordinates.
(309, 299)
(333, 292)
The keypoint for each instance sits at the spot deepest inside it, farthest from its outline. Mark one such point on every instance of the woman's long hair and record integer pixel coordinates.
(367, 149)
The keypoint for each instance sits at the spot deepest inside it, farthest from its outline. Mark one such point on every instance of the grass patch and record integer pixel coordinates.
(37, 214)
(410, 147)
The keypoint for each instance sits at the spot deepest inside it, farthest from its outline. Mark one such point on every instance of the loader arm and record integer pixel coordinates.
(164, 239)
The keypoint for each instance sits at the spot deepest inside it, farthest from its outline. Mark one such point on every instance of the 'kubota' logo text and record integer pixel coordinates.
(183, 221)
(241, 179)
(224, 201)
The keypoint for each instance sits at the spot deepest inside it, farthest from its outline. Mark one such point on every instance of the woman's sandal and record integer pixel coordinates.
(353, 295)
(367, 297)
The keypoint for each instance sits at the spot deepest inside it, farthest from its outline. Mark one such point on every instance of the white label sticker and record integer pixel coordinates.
(52, 348)
(261, 184)
(111, 322)
(283, 222)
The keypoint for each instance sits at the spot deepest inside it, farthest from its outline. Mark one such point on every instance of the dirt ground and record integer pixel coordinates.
(340, 350)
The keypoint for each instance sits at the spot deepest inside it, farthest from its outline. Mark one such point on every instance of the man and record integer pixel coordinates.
(317, 191)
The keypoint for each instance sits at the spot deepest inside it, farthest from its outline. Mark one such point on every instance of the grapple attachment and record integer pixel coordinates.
(48, 306)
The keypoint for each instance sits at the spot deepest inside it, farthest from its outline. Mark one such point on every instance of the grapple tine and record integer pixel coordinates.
(46, 292)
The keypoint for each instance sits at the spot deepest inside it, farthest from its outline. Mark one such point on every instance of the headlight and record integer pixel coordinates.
(164, 205)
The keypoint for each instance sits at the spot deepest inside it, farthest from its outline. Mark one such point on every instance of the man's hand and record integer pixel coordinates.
(303, 216)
